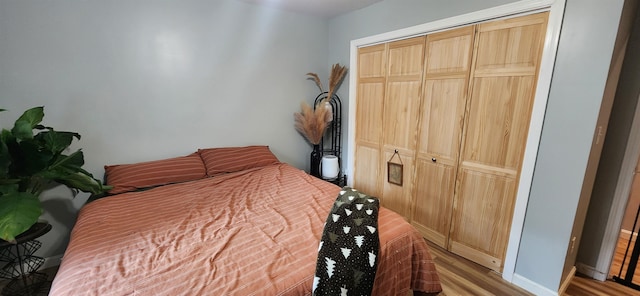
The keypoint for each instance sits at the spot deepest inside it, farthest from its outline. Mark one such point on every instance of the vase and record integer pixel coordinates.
(330, 167)
(316, 157)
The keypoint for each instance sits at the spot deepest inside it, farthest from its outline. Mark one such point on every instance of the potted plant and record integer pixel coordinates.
(31, 158)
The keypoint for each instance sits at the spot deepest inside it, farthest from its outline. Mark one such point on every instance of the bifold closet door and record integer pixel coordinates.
(400, 122)
(503, 79)
(446, 78)
(370, 96)
(387, 109)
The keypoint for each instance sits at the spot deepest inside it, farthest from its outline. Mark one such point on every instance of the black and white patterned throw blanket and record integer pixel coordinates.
(348, 250)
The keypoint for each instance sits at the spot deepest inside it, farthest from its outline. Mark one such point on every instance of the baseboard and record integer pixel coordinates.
(532, 286)
(567, 281)
(591, 272)
(51, 262)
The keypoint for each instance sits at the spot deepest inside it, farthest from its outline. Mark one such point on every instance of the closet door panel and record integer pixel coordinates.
(403, 93)
(405, 58)
(449, 52)
(511, 46)
(367, 166)
(432, 210)
(448, 62)
(398, 197)
(503, 80)
(498, 121)
(369, 112)
(441, 124)
(482, 215)
(401, 108)
(401, 112)
(369, 106)
(371, 61)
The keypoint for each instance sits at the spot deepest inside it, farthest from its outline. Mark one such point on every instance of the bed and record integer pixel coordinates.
(221, 221)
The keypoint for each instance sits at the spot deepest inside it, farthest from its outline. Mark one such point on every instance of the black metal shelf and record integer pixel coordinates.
(19, 264)
(331, 142)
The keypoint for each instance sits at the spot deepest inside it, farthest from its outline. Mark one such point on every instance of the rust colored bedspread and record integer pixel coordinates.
(254, 232)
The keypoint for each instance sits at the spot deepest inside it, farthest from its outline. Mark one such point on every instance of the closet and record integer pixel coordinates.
(455, 105)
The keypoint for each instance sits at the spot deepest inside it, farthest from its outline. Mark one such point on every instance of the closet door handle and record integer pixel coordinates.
(433, 159)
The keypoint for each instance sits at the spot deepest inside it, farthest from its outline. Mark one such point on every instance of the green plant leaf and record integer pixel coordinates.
(82, 182)
(18, 212)
(23, 127)
(73, 161)
(29, 158)
(55, 141)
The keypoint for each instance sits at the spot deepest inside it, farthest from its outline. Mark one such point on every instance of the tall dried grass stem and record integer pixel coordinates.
(315, 78)
(335, 78)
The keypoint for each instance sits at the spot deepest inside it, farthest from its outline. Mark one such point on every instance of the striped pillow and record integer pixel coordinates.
(131, 177)
(233, 159)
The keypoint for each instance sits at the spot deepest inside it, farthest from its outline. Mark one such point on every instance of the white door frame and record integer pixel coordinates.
(620, 199)
(556, 9)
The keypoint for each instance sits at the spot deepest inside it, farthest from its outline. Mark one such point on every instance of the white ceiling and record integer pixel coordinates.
(321, 8)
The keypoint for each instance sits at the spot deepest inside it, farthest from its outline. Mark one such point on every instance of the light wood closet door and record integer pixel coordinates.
(370, 95)
(446, 79)
(400, 122)
(506, 61)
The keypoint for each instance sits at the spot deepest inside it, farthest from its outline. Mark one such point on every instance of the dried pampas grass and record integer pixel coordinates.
(312, 123)
(335, 78)
(316, 79)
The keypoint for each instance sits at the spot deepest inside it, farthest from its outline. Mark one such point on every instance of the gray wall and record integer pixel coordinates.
(581, 70)
(612, 155)
(149, 79)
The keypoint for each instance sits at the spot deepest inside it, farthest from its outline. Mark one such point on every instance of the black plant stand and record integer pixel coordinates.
(18, 263)
(331, 142)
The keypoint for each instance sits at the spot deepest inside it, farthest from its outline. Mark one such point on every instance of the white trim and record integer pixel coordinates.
(552, 38)
(532, 287)
(556, 8)
(591, 272)
(620, 196)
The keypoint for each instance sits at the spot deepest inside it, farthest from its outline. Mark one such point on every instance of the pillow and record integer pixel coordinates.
(131, 177)
(233, 159)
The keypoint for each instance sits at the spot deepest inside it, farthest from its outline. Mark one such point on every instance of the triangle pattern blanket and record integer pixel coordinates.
(348, 250)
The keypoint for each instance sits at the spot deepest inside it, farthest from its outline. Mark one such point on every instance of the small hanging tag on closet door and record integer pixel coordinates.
(394, 170)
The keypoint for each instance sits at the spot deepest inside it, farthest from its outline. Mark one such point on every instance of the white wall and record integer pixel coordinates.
(149, 79)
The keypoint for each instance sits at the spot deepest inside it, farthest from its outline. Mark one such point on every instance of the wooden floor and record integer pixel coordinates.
(582, 286)
(621, 250)
(463, 277)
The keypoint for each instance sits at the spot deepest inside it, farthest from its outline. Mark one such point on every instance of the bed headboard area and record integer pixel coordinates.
(201, 164)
